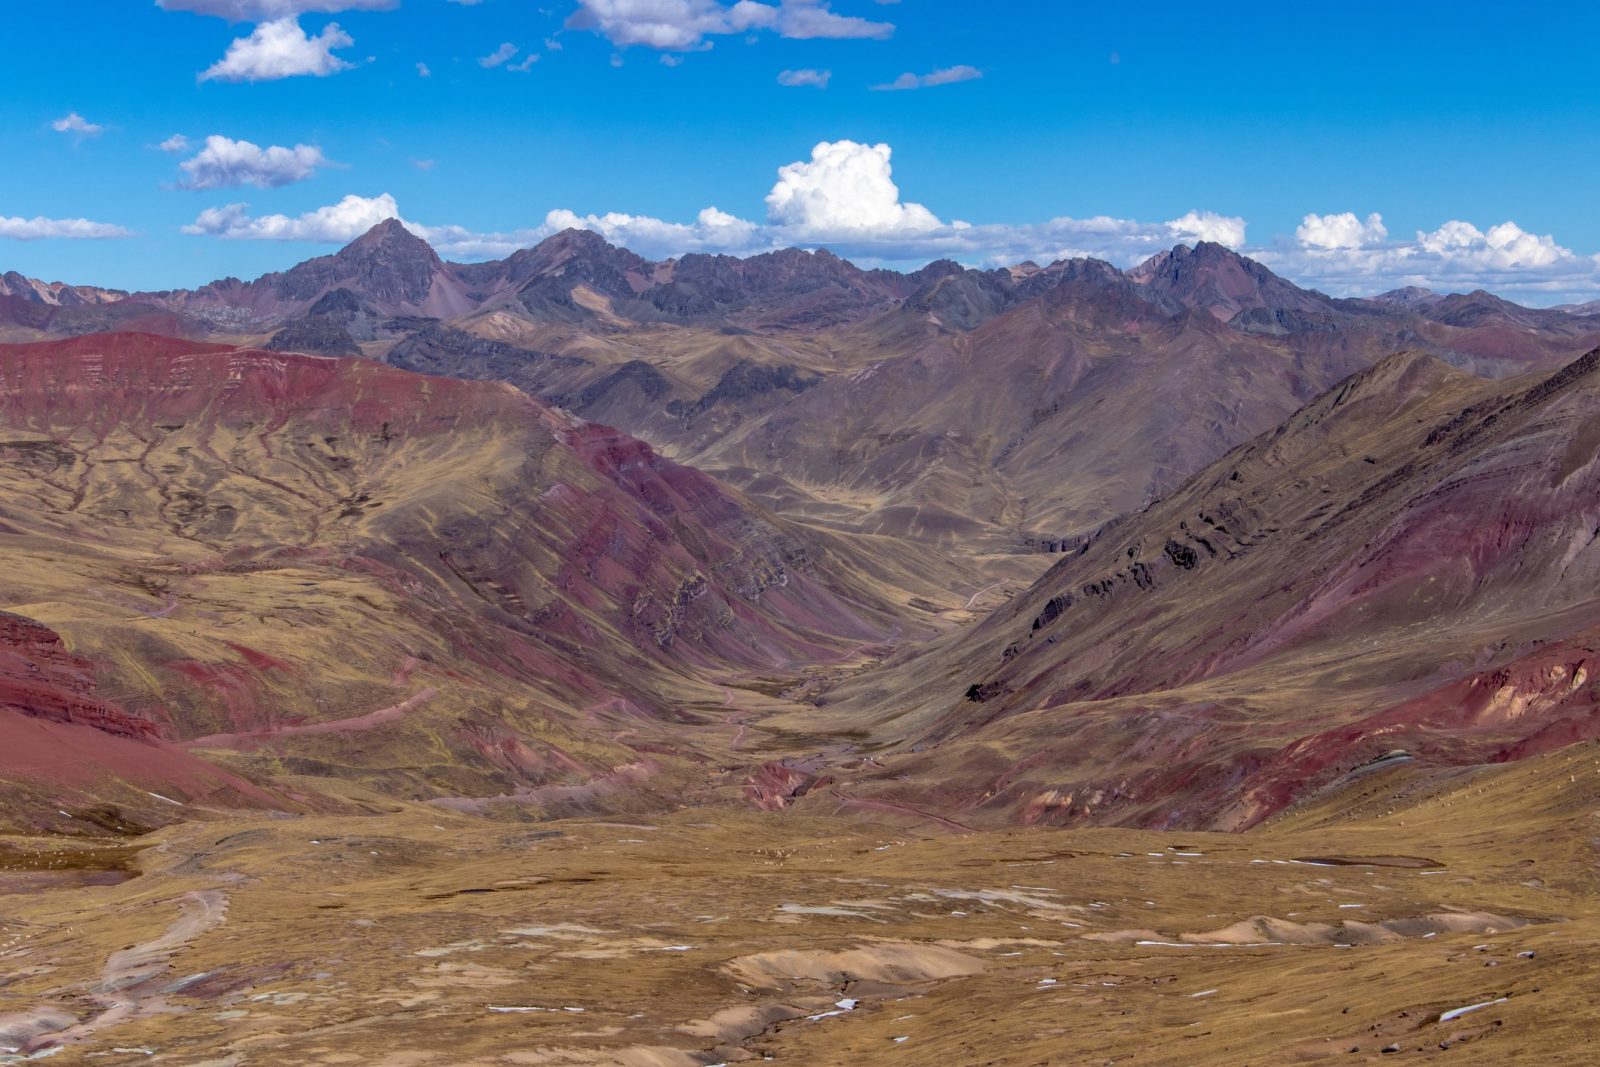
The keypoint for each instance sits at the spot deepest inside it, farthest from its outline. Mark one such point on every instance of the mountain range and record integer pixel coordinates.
(840, 396)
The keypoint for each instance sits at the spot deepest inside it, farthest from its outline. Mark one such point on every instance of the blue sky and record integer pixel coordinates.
(1261, 125)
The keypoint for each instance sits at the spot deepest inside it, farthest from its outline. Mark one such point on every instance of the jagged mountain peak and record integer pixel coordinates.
(1410, 296)
(386, 243)
(1215, 278)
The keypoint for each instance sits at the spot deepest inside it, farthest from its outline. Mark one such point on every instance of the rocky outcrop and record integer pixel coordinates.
(39, 677)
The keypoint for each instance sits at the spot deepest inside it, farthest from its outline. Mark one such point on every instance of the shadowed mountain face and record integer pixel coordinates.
(436, 586)
(1409, 562)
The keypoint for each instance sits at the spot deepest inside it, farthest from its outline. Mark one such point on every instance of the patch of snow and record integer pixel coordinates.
(1457, 1013)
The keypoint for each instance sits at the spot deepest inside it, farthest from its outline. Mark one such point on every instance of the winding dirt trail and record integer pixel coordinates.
(128, 982)
(900, 809)
(335, 726)
(973, 599)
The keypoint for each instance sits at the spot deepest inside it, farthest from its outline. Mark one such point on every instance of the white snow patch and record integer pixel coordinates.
(1457, 1013)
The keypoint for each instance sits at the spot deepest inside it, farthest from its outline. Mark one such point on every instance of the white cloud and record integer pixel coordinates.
(1343, 230)
(1343, 255)
(1208, 226)
(423, 71)
(529, 60)
(75, 123)
(281, 49)
(34, 229)
(272, 10)
(499, 56)
(176, 143)
(1503, 247)
(794, 78)
(684, 25)
(337, 223)
(712, 230)
(944, 76)
(844, 189)
(225, 163)
(803, 19)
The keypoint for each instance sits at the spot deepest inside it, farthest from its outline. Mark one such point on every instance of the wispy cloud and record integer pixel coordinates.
(685, 25)
(40, 228)
(272, 10)
(337, 223)
(945, 76)
(796, 78)
(77, 125)
(500, 56)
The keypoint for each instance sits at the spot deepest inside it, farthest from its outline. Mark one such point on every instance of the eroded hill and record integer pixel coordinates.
(336, 569)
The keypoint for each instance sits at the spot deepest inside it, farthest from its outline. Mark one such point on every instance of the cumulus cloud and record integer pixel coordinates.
(1346, 255)
(803, 19)
(338, 223)
(225, 163)
(844, 189)
(76, 124)
(711, 231)
(944, 76)
(39, 228)
(1343, 230)
(1208, 226)
(795, 78)
(423, 71)
(1503, 247)
(272, 10)
(176, 143)
(684, 25)
(499, 56)
(281, 49)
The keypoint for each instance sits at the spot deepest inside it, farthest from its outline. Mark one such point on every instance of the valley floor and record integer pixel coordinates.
(1353, 929)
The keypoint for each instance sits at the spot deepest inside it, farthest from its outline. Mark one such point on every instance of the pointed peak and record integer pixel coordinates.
(388, 229)
(390, 239)
(1408, 296)
(574, 239)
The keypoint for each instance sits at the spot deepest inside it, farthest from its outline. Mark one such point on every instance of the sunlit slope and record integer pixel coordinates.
(1356, 931)
(444, 587)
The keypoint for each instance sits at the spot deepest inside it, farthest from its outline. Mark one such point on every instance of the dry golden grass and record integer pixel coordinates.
(717, 935)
